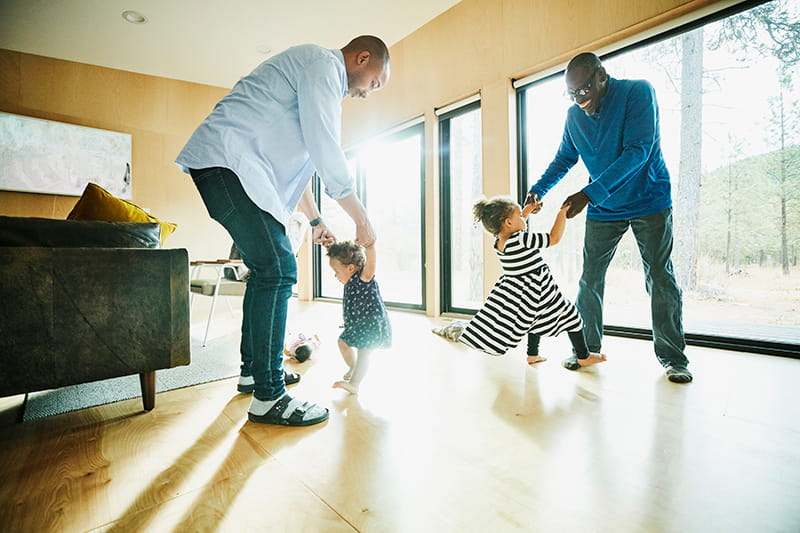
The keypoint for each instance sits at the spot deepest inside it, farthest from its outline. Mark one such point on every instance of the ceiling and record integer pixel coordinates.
(213, 42)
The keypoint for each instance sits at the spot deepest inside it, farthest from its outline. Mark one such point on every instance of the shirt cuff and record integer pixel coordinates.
(596, 192)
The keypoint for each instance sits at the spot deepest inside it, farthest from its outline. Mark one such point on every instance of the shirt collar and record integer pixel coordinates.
(338, 55)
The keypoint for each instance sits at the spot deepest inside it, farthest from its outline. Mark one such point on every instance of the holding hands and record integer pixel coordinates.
(533, 204)
(320, 234)
(365, 234)
(576, 202)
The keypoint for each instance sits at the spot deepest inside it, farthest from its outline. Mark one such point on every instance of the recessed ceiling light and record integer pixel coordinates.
(134, 17)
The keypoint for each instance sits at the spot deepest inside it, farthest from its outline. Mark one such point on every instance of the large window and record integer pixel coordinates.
(461, 184)
(730, 128)
(389, 176)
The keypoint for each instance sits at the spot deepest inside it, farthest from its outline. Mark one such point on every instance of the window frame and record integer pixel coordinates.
(416, 128)
(445, 257)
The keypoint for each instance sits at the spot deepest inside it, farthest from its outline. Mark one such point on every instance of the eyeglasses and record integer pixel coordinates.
(582, 91)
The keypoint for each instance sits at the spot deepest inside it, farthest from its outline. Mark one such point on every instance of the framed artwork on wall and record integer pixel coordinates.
(49, 157)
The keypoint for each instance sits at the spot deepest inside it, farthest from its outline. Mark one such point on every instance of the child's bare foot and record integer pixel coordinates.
(533, 359)
(352, 389)
(593, 359)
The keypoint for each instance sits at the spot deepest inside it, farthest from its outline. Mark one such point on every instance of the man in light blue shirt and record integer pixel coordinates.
(252, 160)
(614, 128)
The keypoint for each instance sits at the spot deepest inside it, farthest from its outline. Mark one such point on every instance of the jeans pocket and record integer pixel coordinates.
(211, 183)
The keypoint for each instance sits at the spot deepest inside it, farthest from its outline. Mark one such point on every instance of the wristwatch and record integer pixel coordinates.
(316, 222)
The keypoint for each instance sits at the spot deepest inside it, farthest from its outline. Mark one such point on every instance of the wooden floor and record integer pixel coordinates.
(441, 439)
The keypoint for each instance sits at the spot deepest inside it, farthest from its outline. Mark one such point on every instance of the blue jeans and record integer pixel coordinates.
(267, 252)
(654, 237)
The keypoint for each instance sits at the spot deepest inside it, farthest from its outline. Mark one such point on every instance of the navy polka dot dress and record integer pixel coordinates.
(366, 323)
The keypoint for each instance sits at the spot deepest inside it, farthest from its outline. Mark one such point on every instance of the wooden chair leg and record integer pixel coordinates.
(148, 382)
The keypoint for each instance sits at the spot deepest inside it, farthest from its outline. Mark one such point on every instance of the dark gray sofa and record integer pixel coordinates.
(84, 301)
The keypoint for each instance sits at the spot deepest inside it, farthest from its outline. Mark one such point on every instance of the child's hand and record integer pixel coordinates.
(534, 201)
(527, 210)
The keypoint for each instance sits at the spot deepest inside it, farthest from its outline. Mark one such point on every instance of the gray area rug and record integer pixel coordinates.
(219, 359)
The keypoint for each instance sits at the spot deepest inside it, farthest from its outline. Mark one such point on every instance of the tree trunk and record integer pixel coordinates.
(688, 205)
(783, 191)
(729, 232)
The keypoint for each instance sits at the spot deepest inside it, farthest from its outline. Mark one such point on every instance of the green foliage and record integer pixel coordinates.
(771, 29)
(751, 191)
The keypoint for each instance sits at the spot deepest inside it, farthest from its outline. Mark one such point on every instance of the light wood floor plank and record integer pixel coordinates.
(440, 438)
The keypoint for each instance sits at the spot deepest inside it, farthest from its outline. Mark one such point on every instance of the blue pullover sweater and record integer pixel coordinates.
(621, 148)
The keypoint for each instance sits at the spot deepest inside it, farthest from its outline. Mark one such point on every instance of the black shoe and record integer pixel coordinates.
(571, 363)
(305, 414)
(678, 374)
(290, 378)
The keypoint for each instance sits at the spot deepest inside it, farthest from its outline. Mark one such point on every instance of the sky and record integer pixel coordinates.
(735, 105)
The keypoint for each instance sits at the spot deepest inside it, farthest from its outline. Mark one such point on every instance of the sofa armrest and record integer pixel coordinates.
(74, 315)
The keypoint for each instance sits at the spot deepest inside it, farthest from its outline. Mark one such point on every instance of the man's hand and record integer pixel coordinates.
(320, 234)
(576, 203)
(534, 201)
(365, 235)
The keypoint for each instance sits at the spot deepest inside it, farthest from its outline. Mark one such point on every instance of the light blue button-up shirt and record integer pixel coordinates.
(277, 126)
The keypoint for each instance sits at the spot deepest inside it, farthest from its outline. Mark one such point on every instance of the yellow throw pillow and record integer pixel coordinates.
(97, 203)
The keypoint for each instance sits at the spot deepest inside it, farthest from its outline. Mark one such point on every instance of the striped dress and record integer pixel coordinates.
(524, 300)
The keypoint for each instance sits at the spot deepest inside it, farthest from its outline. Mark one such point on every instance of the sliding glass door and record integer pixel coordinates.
(461, 183)
(389, 173)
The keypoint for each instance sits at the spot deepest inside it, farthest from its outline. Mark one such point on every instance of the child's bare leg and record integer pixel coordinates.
(359, 371)
(349, 356)
(593, 359)
(362, 365)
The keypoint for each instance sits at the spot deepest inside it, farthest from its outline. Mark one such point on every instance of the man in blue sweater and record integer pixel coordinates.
(614, 128)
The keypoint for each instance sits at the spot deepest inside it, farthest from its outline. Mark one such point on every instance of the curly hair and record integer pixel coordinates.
(492, 213)
(348, 253)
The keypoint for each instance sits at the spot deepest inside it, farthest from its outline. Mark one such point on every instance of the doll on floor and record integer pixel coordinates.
(300, 347)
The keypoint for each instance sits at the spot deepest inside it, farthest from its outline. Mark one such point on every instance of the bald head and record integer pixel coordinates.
(369, 43)
(366, 60)
(586, 60)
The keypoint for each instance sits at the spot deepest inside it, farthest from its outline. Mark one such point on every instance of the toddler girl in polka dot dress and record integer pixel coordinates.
(366, 323)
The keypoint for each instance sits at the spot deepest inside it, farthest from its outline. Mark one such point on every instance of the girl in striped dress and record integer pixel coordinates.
(525, 300)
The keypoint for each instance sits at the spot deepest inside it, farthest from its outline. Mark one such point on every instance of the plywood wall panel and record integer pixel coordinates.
(158, 113)
(9, 79)
(480, 42)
